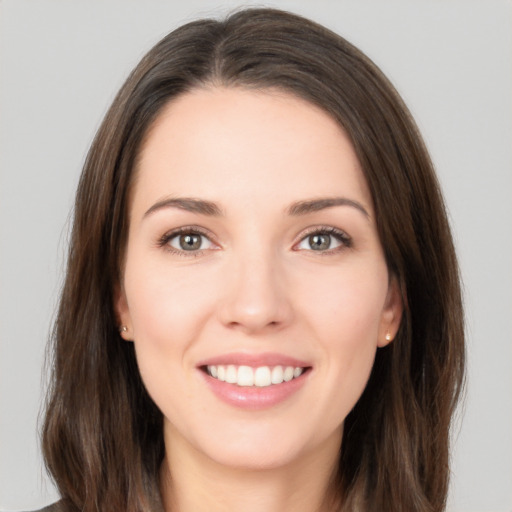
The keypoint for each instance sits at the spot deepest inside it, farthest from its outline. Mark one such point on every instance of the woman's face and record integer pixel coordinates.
(255, 287)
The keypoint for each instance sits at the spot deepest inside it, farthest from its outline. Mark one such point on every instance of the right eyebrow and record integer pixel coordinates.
(315, 205)
(188, 204)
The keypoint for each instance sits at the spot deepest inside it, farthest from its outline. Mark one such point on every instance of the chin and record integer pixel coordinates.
(257, 458)
(272, 446)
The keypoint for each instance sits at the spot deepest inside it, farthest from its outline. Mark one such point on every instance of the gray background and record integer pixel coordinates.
(62, 62)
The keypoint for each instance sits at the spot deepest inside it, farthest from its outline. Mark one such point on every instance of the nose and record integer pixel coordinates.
(257, 296)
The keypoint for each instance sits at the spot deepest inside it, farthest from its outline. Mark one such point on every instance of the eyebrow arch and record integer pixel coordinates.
(315, 205)
(188, 204)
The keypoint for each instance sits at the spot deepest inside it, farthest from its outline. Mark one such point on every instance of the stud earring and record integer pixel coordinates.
(123, 328)
(388, 337)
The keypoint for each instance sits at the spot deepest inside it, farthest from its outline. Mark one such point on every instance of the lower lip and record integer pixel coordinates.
(254, 398)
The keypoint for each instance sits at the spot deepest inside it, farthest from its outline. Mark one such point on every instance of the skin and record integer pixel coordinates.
(255, 285)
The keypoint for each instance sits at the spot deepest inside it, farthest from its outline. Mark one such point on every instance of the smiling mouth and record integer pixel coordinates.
(247, 376)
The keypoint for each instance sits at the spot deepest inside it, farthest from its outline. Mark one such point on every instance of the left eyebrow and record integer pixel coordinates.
(315, 205)
(189, 204)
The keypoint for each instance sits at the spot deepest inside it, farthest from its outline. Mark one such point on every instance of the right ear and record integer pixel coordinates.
(122, 312)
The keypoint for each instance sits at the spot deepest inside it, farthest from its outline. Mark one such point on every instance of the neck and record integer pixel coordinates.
(192, 482)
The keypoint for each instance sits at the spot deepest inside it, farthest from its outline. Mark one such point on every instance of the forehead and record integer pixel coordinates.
(235, 143)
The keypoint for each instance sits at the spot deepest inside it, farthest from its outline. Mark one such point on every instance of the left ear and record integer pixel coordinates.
(391, 314)
(122, 312)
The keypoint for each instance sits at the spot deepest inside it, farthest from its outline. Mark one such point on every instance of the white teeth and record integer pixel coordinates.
(245, 376)
(288, 374)
(262, 376)
(277, 375)
(231, 374)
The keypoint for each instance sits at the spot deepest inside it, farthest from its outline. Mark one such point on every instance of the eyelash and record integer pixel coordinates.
(344, 239)
(185, 230)
(339, 235)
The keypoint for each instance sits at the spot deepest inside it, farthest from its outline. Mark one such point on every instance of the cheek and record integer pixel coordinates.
(167, 311)
(346, 324)
(347, 305)
(169, 307)
(166, 305)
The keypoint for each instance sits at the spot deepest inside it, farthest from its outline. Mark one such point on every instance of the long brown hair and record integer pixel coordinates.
(102, 436)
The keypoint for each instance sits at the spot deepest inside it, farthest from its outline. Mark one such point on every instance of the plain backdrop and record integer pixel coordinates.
(62, 62)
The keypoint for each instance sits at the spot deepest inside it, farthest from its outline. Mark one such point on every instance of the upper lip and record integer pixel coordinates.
(254, 360)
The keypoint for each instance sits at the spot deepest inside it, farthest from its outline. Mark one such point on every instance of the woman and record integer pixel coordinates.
(262, 307)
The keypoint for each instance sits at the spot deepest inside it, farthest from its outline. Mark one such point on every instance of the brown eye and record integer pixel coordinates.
(324, 240)
(189, 242)
(319, 242)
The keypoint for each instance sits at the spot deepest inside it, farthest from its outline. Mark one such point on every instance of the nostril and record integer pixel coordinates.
(254, 308)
